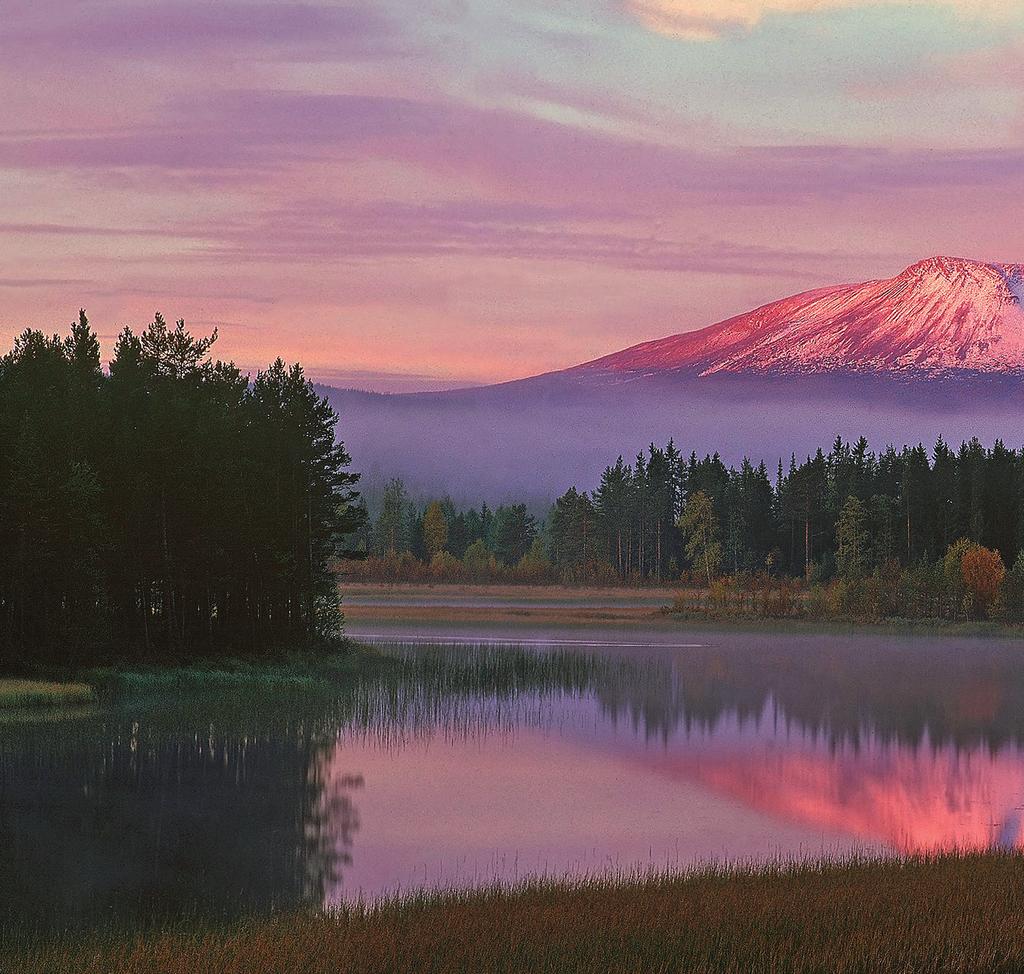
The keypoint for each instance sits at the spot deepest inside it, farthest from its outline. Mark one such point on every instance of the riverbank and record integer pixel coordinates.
(622, 606)
(955, 914)
(297, 673)
(540, 604)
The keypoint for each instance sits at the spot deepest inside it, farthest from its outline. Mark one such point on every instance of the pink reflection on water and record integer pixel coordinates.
(577, 793)
(909, 800)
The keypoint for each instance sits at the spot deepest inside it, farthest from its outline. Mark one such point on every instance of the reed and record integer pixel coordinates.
(958, 914)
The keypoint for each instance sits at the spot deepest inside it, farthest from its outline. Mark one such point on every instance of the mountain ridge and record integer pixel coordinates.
(936, 350)
(940, 317)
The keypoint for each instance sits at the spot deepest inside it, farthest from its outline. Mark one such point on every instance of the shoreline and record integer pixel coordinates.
(956, 912)
(50, 688)
(434, 603)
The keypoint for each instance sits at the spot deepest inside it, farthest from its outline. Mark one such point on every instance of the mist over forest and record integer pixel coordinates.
(528, 441)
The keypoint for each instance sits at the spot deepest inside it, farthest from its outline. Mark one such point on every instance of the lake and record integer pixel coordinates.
(511, 750)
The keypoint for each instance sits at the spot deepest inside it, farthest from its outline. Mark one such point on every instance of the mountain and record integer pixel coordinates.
(939, 349)
(942, 317)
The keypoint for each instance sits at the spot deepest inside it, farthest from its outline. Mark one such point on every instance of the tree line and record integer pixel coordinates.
(438, 540)
(662, 513)
(169, 506)
(840, 517)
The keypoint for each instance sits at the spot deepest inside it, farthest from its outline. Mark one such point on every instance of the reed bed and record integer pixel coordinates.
(956, 914)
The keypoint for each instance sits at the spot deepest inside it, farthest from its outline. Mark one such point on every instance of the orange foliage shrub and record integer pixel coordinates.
(983, 571)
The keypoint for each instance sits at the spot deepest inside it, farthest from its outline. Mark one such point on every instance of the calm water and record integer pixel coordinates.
(506, 752)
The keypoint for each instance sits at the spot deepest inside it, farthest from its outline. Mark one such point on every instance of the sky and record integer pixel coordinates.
(412, 194)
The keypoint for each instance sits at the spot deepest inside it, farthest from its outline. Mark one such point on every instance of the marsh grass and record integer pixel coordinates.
(955, 913)
(18, 694)
(287, 673)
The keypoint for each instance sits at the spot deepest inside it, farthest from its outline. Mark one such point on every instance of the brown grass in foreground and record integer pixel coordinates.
(953, 914)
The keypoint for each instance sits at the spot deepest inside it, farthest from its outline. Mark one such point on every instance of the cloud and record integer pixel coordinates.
(996, 67)
(712, 19)
(319, 230)
(183, 28)
(498, 151)
(83, 230)
(42, 282)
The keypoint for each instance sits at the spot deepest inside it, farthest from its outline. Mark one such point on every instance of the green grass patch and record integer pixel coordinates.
(17, 694)
(282, 674)
(958, 914)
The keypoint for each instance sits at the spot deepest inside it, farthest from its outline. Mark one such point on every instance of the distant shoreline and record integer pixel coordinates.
(554, 604)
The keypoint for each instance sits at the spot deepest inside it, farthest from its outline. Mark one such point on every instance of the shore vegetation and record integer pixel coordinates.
(958, 914)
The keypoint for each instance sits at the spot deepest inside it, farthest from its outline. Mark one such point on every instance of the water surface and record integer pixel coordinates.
(508, 751)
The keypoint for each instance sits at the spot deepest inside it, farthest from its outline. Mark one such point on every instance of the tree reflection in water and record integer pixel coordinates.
(147, 812)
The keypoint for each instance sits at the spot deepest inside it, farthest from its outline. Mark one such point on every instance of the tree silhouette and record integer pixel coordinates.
(171, 507)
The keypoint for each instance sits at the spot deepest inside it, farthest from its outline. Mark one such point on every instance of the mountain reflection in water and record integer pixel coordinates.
(496, 763)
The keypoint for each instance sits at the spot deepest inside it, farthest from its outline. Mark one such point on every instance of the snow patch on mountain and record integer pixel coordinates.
(1014, 279)
(941, 316)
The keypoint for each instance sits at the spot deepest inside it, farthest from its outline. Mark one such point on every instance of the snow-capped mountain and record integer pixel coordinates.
(941, 317)
(938, 350)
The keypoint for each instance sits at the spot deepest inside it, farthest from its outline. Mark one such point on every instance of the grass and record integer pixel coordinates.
(297, 672)
(956, 914)
(18, 694)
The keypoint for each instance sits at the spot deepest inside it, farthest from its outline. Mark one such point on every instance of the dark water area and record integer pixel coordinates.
(507, 752)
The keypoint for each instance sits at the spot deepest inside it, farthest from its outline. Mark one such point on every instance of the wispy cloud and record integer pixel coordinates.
(319, 230)
(41, 282)
(186, 29)
(711, 19)
(546, 161)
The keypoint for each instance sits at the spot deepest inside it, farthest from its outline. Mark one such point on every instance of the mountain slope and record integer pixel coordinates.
(941, 317)
(937, 350)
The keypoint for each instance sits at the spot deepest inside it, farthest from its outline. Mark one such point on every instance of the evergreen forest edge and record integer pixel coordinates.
(169, 508)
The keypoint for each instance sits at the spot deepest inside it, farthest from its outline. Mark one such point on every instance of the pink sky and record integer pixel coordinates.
(404, 194)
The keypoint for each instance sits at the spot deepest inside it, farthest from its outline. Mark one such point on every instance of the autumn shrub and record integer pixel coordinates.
(445, 566)
(983, 574)
(923, 591)
(782, 599)
(592, 572)
(817, 603)
(955, 586)
(479, 562)
(854, 597)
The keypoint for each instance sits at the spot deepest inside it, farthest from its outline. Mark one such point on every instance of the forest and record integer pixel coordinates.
(169, 507)
(884, 533)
